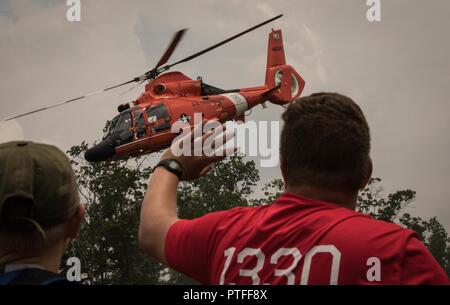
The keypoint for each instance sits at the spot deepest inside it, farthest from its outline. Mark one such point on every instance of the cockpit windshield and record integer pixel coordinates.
(119, 123)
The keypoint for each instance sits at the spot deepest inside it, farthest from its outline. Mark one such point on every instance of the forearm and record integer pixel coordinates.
(161, 196)
(158, 212)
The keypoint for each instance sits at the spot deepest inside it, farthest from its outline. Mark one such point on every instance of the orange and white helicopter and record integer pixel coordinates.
(144, 126)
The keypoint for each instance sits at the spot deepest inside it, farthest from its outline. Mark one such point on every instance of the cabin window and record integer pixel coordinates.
(158, 115)
(139, 123)
(157, 112)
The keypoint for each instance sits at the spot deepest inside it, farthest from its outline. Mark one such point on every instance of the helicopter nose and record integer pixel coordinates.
(100, 152)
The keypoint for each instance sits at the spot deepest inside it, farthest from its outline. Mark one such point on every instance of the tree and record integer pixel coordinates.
(371, 202)
(271, 191)
(107, 245)
(439, 243)
(228, 185)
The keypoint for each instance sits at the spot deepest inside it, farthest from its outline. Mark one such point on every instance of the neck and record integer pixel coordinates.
(341, 198)
(49, 259)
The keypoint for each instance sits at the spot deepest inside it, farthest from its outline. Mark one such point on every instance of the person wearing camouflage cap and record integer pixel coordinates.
(40, 212)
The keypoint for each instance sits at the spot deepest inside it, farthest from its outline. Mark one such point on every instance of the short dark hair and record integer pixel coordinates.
(325, 142)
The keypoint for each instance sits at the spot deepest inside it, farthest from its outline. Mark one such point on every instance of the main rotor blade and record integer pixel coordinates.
(72, 100)
(169, 51)
(223, 42)
(175, 40)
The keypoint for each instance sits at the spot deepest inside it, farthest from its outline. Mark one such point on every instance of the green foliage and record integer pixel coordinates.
(438, 243)
(107, 244)
(271, 191)
(229, 184)
(372, 203)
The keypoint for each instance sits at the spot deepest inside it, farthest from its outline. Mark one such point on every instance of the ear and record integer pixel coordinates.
(368, 173)
(74, 225)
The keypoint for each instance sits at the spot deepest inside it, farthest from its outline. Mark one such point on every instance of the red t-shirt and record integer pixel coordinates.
(298, 240)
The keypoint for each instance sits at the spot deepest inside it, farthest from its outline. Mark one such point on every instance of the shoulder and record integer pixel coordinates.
(364, 236)
(364, 227)
(34, 276)
(404, 258)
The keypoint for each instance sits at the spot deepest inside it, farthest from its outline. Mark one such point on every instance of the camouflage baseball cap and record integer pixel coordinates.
(37, 186)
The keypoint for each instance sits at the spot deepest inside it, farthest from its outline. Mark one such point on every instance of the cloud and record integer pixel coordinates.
(313, 40)
(266, 9)
(10, 131)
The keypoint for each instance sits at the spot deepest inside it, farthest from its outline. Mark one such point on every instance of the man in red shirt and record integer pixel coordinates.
(311, 234)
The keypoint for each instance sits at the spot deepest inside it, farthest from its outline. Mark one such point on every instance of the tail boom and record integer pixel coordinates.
(280, 73)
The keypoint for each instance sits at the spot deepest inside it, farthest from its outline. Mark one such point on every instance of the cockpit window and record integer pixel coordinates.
(123, 123)
(111, 126)
(120, 123)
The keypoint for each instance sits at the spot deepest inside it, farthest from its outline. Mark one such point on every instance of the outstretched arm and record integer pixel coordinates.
(159, 208)
(158, 213)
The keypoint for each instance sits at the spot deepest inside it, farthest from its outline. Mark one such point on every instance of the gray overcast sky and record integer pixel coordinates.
(397, 70)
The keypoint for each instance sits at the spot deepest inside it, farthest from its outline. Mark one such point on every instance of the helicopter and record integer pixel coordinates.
(144, 125)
